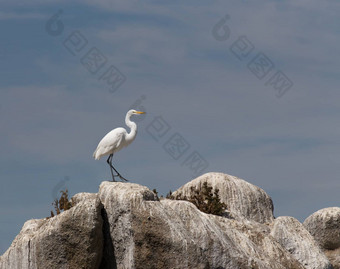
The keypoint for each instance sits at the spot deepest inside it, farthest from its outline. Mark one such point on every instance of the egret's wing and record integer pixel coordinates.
(111, 143)
(119, 138)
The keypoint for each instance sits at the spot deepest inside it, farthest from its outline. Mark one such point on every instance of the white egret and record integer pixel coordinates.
(117, 139)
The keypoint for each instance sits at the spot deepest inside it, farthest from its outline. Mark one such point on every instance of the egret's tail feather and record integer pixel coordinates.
(95, 155)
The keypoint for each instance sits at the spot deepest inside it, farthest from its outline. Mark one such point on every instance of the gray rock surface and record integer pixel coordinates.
(292, 235)
(126, 226)
(147, 233)
(72, 239)
(324, 226)
(243, 200)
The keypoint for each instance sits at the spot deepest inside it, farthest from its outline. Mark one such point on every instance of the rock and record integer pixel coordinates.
(243, 200)
(334, 257)
(125, 225)
(293, 236)
(147, 233)
(324, 226)
(72, 239)
(119, 199)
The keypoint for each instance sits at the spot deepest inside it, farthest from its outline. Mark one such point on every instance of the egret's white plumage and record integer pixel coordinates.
(111, 143)
(117, 139)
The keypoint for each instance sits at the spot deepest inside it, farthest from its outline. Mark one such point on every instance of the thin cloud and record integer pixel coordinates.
(21, 16)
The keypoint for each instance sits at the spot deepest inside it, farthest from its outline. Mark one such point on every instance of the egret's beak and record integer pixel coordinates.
(140, 112)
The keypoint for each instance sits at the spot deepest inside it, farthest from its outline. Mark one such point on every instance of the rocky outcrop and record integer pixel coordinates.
(243, 200)
(293, 236)
(73, 239)
(125, 226)
(324, 226)
(148, 233)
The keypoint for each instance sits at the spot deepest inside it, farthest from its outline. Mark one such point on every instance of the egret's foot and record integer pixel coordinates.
(120, 176)
(123, 178)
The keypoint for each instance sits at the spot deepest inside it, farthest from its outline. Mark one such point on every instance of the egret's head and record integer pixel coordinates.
(135, 112)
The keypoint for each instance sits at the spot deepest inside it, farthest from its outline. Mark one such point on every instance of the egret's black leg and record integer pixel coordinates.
(109, 161)
(119, 175)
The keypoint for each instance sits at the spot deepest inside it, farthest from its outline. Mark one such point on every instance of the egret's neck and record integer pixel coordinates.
(133, 128)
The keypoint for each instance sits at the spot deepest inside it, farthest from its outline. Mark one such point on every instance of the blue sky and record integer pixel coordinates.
(54, 110)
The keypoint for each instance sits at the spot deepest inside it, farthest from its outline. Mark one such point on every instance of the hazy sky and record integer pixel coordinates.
(244, 88)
